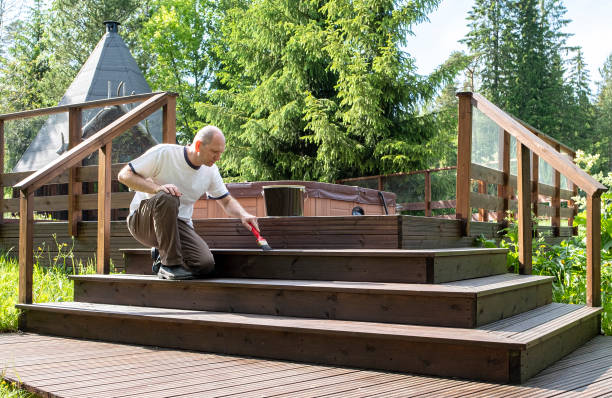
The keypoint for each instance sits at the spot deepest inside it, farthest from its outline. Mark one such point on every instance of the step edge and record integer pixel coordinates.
(542, 280)
(586, 313)
(498, 342)
(218, 282)
(365, 252)
(409, 289)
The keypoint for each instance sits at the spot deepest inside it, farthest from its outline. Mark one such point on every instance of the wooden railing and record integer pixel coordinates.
(68, 164)
(532, 146)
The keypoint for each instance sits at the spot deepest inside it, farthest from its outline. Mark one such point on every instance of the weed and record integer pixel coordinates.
(50, 284)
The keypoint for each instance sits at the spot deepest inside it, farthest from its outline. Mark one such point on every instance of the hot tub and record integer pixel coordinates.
(320, 199)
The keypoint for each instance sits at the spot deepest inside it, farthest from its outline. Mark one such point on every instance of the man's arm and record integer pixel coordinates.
(233, 209)
(127, 177)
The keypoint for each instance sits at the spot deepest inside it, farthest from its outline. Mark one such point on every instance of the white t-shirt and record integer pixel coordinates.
(169, 164)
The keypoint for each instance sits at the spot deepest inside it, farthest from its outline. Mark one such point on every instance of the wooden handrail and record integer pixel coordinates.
(546, 136)
(93, 143)
(538, 146)
(530, 145)
(100, 141)
(128, 99)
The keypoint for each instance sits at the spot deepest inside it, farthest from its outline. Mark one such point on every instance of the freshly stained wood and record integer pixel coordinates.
(524, 214)
(104, 209)
(379, 265)
(452, 304)
(26, 247)
(75, 188)
(590, 376)
(505, 343)
(464, 161)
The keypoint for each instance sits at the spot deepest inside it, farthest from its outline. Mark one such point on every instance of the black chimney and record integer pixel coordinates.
(112, 26)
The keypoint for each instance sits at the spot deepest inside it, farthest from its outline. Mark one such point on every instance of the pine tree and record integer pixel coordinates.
(520, 43)
(320, 90)
(578, 129)
(491, 40)
(603, 118)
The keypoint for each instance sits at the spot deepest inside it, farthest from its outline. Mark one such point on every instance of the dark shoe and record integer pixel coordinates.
(176, 273)
(156, 260)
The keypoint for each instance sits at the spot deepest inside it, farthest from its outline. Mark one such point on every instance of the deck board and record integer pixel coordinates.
(64, 367)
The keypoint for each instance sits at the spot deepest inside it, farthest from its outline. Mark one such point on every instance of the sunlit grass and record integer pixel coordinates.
(11, 390)
(50, 284)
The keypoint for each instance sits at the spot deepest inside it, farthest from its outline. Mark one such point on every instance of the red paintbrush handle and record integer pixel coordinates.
(255, 232)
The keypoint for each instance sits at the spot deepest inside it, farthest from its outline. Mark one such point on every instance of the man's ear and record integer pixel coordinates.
(197, 145)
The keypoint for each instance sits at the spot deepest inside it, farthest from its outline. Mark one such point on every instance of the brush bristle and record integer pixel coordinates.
(264, 244)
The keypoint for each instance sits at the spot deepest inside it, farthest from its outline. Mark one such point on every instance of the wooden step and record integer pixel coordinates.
(357, 265)
(466, 304)
(510, 350)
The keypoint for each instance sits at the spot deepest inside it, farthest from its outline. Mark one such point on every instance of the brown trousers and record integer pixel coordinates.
(156, 224)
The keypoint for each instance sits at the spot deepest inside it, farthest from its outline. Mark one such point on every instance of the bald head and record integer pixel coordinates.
(207, 134)
(207, 146)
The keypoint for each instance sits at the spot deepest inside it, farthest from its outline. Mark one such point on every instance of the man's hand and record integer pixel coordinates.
(233, 209)
(247, 219)
(170, 188)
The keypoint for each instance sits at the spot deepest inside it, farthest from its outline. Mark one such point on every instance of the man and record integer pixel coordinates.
(169, 179)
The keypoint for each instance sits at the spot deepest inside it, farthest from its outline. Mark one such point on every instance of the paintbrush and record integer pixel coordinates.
(260, 240)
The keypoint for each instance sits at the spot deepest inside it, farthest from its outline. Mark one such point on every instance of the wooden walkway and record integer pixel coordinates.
(64, 367)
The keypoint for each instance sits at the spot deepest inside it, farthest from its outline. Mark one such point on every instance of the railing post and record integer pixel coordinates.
(535, 183)
(1, 170)
(379, 182)
(593, 298)
(26, 246)
(483, 214)
(572, 203)
(464, 160)
(525, 229)
(556, 201)
(74, 188)
(503, 191)
(427, 194)
(169, 121)
(104, 208)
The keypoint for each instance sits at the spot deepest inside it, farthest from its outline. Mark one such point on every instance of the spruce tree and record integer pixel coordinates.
(520, 44)
(320, 90)
(603, 118)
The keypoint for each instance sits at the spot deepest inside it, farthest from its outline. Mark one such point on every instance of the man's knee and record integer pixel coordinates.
(203, 265)
(166, 202)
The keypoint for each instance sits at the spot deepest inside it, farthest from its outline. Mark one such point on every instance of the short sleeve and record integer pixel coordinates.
(147, 164)
(217, 189)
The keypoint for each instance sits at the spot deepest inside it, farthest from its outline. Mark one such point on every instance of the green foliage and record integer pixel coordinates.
(603, 119)
(51, 284)
(23, 71)
(519, 46)
(12, 390)
(179, 35)
(322, 90)
(566, 262)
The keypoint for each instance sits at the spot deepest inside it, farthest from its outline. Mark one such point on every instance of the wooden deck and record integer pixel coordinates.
(64, 367)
